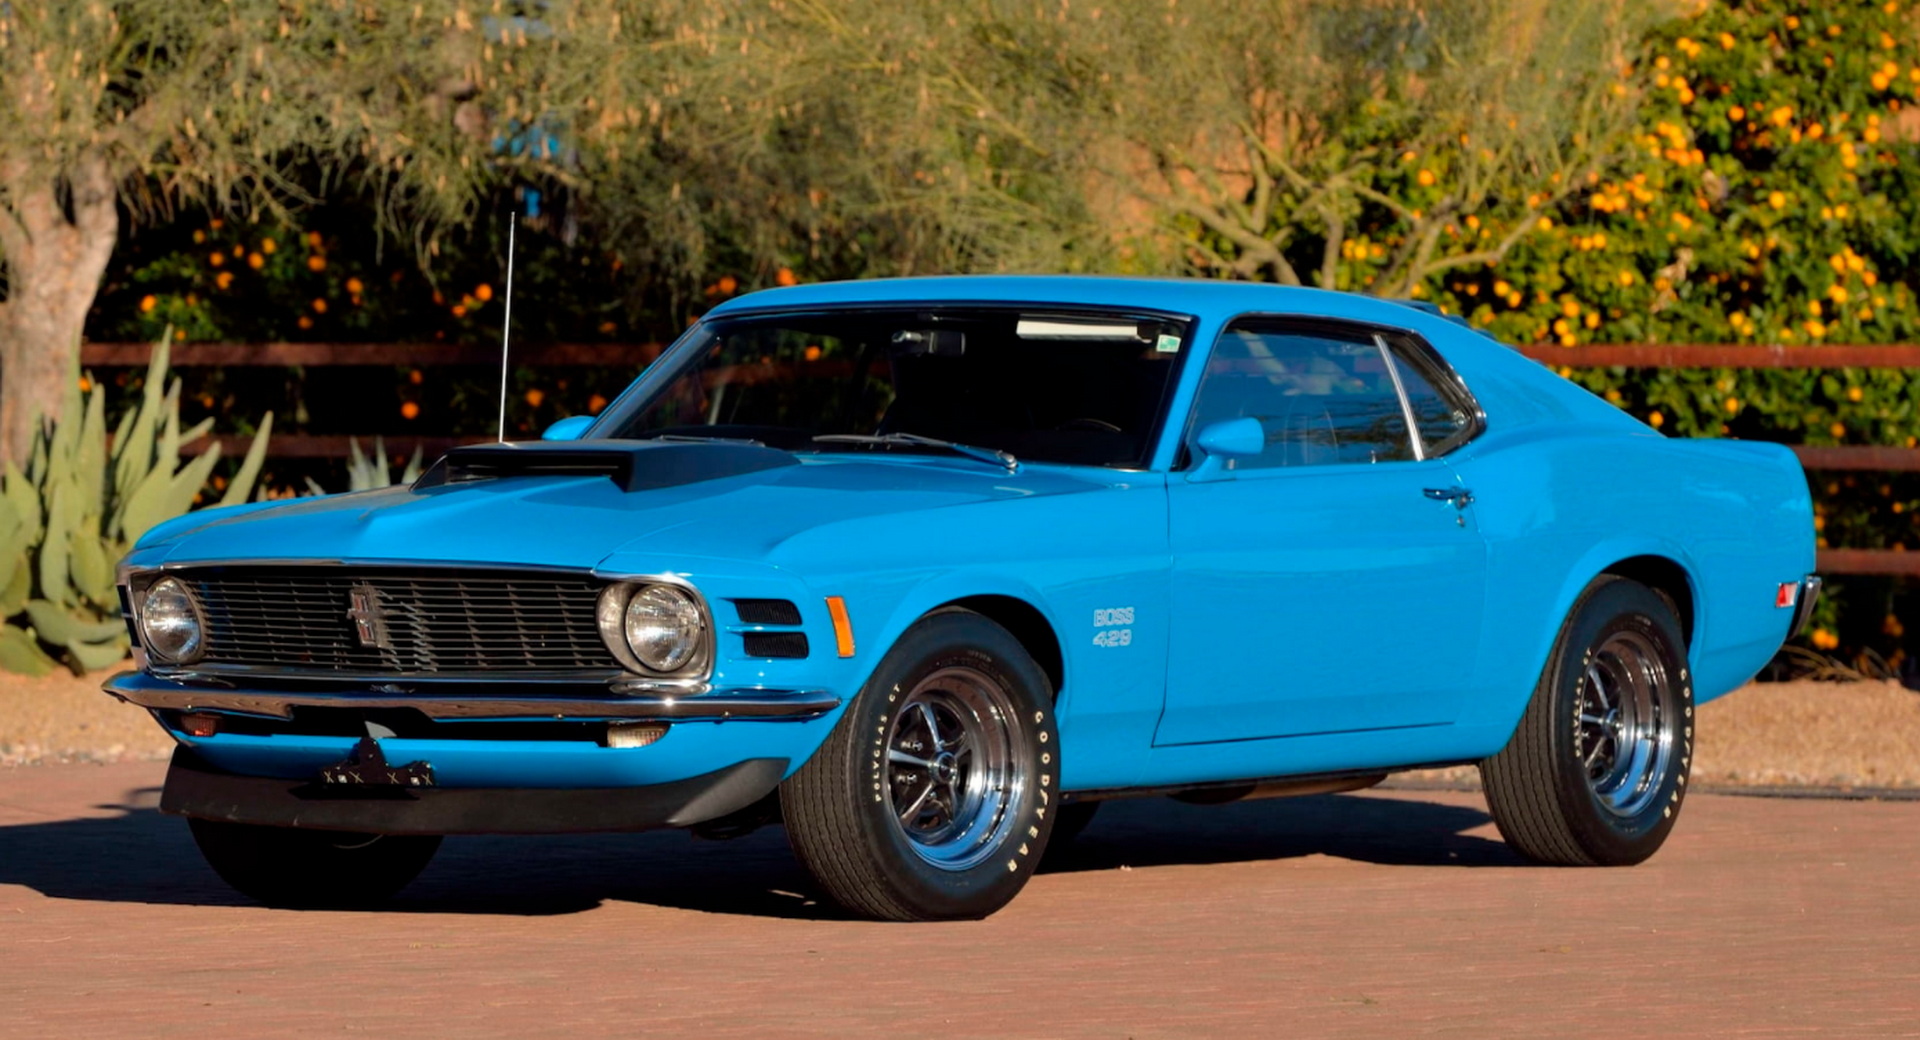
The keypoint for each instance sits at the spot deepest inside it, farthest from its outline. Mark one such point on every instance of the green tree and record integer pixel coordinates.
(1365, 146)
(136, 106)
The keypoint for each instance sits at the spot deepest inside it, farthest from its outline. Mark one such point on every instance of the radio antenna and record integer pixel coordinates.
(506, 324)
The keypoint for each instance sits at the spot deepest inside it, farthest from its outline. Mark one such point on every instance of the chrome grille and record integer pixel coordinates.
(433, 621)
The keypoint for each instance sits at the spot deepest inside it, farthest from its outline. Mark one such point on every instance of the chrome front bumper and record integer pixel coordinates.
(478, 702)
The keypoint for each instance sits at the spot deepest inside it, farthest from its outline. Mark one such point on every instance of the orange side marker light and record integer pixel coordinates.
(842, 625)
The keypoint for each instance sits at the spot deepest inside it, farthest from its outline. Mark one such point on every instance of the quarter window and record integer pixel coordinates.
(1323, 398)
(1443, 414)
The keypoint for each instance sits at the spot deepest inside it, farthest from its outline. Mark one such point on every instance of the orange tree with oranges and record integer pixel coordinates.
(1774, 197)
(1770, 194)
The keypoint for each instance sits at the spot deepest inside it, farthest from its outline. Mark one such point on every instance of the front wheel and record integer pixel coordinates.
(934, 796)
(1595, 772)
(306, 869)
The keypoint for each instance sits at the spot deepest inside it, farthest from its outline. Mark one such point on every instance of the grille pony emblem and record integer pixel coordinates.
(369, 619)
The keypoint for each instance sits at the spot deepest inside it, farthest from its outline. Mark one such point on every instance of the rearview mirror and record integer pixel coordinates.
(568, 429)
(932, 343)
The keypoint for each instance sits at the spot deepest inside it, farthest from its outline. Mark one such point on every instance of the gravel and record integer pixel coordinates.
(1795, 734)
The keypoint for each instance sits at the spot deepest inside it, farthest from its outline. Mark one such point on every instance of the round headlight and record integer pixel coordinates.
(170, 622)
(664, 628)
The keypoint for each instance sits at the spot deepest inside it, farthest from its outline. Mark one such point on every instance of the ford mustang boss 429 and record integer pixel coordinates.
(926, 569)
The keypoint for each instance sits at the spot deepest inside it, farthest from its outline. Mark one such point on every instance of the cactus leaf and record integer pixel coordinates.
(20, 654)
(412, 472)
(122, 431)
(133, 451)
(97, 655)
(199, 430)
(37, 462)
(188, 482)
(382, 469)
(359, 476)
(24, 499)
(157, 366)
(166, 454)
(65, 446)
(61, 519)
(90, 455)
(91, 564)
(17, 587)
(148, 504)
(13, 529)
(56, 624)
(242, 485)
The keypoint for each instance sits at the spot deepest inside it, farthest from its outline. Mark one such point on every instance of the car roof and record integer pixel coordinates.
(1214, 300)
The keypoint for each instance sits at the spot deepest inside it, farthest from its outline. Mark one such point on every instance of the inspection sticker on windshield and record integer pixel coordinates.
(1167, 344)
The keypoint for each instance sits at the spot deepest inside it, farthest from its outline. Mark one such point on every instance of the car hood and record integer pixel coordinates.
(578, 521)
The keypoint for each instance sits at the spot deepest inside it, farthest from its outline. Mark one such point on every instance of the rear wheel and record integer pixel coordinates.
(1595, 772)
(933, 797)
(287, 867)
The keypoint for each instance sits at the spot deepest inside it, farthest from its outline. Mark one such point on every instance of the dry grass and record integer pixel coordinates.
(1828, 734)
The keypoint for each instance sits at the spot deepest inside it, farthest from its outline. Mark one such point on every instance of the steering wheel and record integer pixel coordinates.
(1095, 425)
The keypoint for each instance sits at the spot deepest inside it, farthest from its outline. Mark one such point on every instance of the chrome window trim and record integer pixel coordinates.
(1449, 381)
(1186, 457)
(1414, 440)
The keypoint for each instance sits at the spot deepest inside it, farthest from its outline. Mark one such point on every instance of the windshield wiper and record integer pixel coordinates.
(913, 440)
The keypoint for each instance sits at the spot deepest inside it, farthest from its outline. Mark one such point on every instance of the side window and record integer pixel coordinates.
(1324, 399)
(1441, 412)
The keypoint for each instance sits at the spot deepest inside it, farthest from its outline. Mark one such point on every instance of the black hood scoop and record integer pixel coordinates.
(632, 465)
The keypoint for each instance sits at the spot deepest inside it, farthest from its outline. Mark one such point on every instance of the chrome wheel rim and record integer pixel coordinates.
(1625, 723)
(953, 772)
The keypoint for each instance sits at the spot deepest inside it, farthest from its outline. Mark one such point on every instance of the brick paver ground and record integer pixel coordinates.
(1374, 915)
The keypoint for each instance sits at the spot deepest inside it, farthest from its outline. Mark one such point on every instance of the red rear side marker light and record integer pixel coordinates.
(1788, 595)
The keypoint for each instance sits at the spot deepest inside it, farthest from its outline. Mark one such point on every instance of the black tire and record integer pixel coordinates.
(843, 809)
(1595, 773)
(307, 869)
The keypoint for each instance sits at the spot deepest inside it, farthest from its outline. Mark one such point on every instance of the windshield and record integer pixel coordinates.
(1079, 387)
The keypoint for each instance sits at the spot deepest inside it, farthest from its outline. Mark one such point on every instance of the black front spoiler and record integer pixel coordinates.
(195, 788)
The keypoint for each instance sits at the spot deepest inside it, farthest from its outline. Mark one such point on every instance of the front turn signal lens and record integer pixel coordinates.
(842, 625)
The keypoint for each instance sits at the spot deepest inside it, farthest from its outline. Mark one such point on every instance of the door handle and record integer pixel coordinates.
(1459, 496)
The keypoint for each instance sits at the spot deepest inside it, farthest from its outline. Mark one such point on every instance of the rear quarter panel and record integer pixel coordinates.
(1566, 486)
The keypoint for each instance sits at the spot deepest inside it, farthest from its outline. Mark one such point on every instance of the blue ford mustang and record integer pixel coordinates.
(926, 569)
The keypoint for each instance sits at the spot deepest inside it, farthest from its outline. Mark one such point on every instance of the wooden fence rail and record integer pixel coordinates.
(424, 355)
(1855, 458)
(367, 355)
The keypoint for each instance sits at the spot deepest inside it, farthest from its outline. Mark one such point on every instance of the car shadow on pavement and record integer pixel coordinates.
(1389, 831)
(138, 855)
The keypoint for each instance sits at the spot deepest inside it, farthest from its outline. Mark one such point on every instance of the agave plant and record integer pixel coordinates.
(367, 471)
(81, 504)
